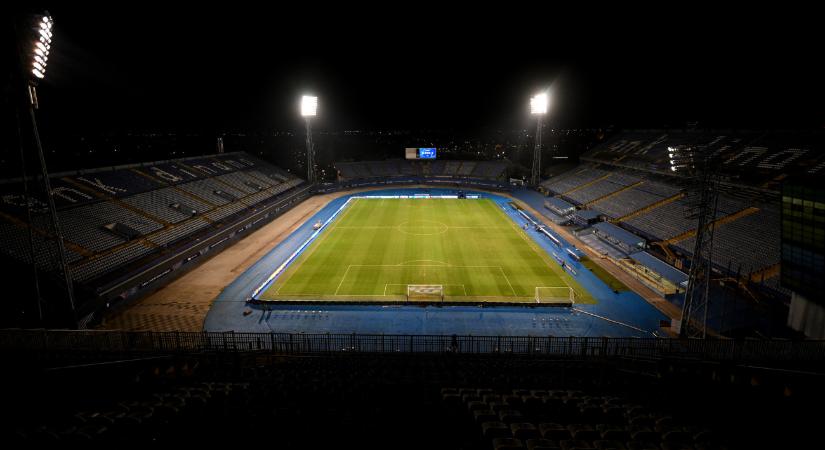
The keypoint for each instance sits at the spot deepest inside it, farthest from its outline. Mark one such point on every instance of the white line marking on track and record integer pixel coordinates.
(609, 320)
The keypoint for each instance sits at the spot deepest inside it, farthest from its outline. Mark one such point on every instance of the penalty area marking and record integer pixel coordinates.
(541, 253)
(283, 267)
(569, 291)
(402, 284)
(397, 266)
(440, 263)
(508, 281)
(342, 279)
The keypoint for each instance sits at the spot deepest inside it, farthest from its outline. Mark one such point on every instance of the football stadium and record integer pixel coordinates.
(335, 281)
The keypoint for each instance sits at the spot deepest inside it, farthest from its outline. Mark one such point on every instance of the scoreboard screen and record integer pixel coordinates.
(426, 153)
(420, 153)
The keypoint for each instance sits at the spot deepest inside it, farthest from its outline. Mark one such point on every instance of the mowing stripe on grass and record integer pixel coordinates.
(377, 244)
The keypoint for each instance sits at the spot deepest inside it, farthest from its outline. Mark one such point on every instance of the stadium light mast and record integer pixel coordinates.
(309, 108)
(538, 107)
(36, 41)
(699, 165)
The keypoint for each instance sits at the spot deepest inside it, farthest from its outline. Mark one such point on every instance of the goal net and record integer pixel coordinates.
(556, 295)
(425, 292)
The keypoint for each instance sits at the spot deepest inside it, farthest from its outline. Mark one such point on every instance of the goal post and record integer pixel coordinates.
(556, 295)
(425, 292)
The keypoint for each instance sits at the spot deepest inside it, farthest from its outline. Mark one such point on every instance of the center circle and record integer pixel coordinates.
(422, 227)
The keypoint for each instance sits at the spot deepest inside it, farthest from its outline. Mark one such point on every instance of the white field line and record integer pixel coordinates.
(386, 227)
(556, 287)
(318, 244)
(542, 254)
(508, 281)
(512, 225)
(386, 285)
(342, 279)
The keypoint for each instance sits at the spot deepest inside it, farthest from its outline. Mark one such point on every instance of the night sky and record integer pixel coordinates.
(152, 67)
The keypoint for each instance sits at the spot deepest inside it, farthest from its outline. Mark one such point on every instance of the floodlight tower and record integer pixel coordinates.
(309, 108)
(34, 52)
(538, 107)
(700, 166)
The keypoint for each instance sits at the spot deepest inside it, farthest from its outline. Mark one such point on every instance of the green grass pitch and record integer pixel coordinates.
(376, 247)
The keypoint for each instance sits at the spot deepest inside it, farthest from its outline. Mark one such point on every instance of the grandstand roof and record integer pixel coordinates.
(664, 269)
(755, 159)
(587, 214)
(558, 203)
(575, 252)
(555, 218)
(620, 234)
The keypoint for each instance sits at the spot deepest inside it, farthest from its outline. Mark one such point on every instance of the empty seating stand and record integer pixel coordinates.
(573, 179)
(665, 221)
(634, 199)
(651, 205)
(481, 170)
(93, 267)
(84, 225)
(567, 419)
(356, 399)
(744, 245)
(16, 244)
(159, 203)
(602, 188)
(139, 210)
(173, 234)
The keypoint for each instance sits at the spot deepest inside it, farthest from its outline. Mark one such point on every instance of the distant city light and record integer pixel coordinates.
(309, 105)
(539, 103)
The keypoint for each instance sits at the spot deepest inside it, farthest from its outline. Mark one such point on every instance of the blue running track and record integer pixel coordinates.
(624, 314)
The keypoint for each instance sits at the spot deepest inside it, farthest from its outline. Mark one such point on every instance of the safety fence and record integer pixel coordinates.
(17, 340)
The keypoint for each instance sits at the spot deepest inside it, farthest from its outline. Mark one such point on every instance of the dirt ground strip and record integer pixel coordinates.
(182, 304)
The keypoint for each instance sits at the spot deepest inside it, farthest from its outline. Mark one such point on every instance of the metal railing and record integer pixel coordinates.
(16, 340)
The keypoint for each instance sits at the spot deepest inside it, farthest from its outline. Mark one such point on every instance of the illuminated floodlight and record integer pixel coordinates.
(538, 107)
(309, 108)
(681, 159)
(309, 105)
(41, 46)
(539, 103)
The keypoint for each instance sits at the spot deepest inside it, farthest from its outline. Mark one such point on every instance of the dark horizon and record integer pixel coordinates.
(217, 71)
